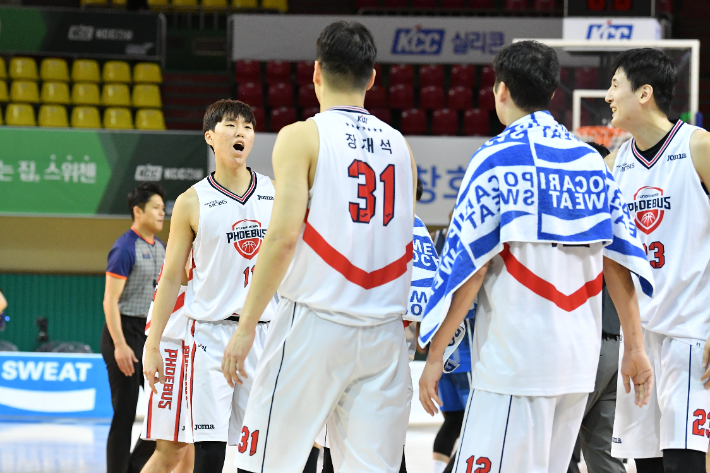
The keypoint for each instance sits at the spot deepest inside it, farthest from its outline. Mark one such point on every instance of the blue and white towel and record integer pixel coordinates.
(535, 182)
(425, 261)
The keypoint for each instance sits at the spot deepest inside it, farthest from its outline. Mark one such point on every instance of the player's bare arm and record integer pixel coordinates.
(460, 304)
(611, 159)
(183, 228)
(294, 161)
(122, 352)
(414, 174)
(635, 366)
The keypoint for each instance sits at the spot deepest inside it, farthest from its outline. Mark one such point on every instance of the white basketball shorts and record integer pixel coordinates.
(313, 370)
(168, 414)
(217, 410)
(678, 413)
(512, 434)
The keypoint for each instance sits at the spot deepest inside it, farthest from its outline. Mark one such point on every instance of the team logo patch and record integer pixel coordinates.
(247, 236)
(649, 205)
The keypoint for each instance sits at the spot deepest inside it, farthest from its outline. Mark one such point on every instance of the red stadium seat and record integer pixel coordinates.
(376, 97)
(431, 98)
(445, 122)
(460, 98)
(401, 74)
(463, 75)
(480, 3)
(280, 95)
(476, 123)
(516, 4)
(247, 71)
(486, 100)
(401, 96)
(413, 122)
(424, 3)
(664, 6)
(559, 101)
(307, 96)
(367, 4)
(304, 72)
(396, 3)
(564, 74)
(309, 112)
(453, 4)
(488, 77)
(251, 93)
(586, 78)
(278, 71)
(260, 118)
(431, 74)
(282, 116)
(545, 5)
(383, 114)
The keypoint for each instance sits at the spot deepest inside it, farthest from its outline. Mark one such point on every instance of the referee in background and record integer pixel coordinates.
(134, 265)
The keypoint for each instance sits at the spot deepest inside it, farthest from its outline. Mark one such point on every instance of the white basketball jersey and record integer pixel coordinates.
(226, 247)
(353, 259)
(672, 215)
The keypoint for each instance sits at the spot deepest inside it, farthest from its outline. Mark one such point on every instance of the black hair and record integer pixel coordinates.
(601, 149)
(142, 194)
(346, 52)
(420, 190)
(226, 109)
(531, 72)
(649, 66)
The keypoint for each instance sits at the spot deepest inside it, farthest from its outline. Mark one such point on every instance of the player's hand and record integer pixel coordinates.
(125, 358)
(235, 354)
(636, 368)
(706, 376)
(429, 384)
(153, 365)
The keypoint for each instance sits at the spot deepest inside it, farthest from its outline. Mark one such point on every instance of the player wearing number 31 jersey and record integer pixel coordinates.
(342, 219)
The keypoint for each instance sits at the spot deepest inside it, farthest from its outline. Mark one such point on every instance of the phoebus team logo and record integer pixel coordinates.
(649, 205)
(247, 236)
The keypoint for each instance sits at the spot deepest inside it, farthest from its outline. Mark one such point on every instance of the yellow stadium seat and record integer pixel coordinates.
(4, 96)
(158, 3)
(54, 69)
(184, 3)
(146, 95)
(24, 91)
(85, 70)
(23, 68)
(3, 69)
(245, 3)
(115, 95)
(85, 117)
(277, 4)
(147, 72)
(55, 92)
(20, 114)
(85, 94)
(118, 3)
(150, 119)
(118, 118)
(214, 4)
(97, 3)
(117, 71)
(53, 115)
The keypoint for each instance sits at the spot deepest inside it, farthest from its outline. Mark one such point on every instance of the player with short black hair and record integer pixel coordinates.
(346, 53)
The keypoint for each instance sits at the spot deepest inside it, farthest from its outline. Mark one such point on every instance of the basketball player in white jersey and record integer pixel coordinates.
(339, 251)
(661, 172)
(222, 219)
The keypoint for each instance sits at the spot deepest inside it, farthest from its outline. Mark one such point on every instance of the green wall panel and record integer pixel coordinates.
(71, 303)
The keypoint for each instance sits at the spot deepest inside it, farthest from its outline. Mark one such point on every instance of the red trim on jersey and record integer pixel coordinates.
(150, 416)
(648, 164)
(192, 373)
(241, 199)
(179, 399)
(147, 327)
(352, 273)
(546, 289)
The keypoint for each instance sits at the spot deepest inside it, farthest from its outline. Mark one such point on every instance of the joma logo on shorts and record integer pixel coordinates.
(204, 427)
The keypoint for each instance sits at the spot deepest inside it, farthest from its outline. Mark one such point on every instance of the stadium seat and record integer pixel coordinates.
(251, 93)
(480, 3)
(564, 74)
(401, 96)
(545, 5)
(280, 95)
(158, 3)
(84, 93)
(516, 4)
(367, 4)
(245, 4)
(431, 74)
(97, 3)
(558, 102)
(486, 100)
(247, 71)
(453, 4)
(85, 70)
(476, 123)
(383, 114)
(309, 112)
(424, 3)
(307, 96)
(20, 114)
(24, 91)
(146, 96)
(118, 3)
(215, 4)
(278, 71)
(53, 115)
(4, 96)
(55, 92)
(488, 77)
(85, 117)
(260, 118)
(23, 68)
(431, 98)
(664, 6)
(304, 72)
(463, 75)
(115, 95)
(281, 5)
(376, 97)
(460, 98)
(401, 74)
(282, 116)
(586, 78)
(445, 122)
(117, 71)
(147, 72)
(54, 69)
(413, 122)
(150, 119)
(118, 118)
(3, 69)
(184, 4)
(395, 3)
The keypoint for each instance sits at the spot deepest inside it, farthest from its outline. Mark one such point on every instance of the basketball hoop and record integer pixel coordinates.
(608, 136)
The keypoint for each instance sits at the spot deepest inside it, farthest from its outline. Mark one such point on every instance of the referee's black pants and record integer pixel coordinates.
(124, 398)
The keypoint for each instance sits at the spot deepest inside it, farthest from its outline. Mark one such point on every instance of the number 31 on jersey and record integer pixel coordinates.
(367, 191)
